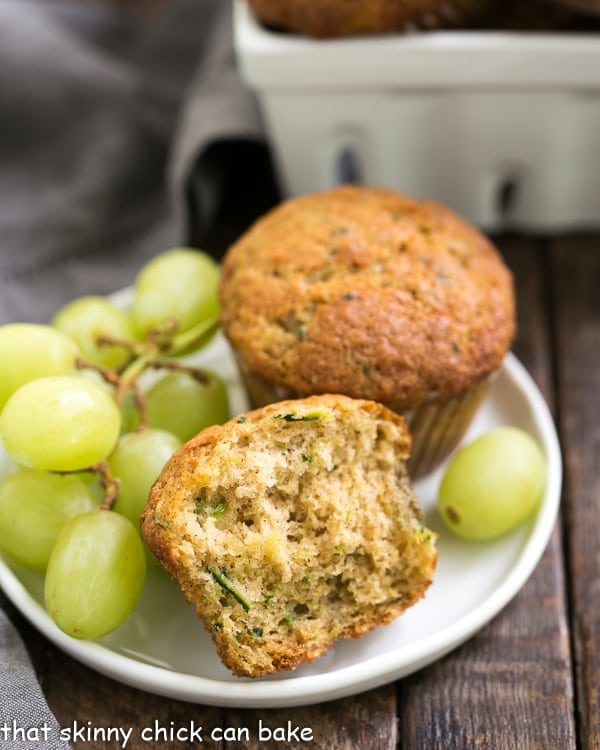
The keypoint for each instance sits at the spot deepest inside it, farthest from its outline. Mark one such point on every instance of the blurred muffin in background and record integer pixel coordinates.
(342, 18)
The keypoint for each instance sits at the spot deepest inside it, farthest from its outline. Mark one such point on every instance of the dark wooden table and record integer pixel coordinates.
(529, 679)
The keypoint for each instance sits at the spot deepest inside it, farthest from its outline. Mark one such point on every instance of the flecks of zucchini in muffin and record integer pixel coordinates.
(297, 526)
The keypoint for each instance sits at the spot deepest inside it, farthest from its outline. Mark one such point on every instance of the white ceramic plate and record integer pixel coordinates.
(163, 648)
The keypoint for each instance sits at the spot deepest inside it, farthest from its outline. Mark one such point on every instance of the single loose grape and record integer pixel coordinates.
(136, 462)
(184, 405)
(60, 423)
(492, 484)
(95, 574)
(29, 351)
(180, 285)
(85, 319)
(34, 507)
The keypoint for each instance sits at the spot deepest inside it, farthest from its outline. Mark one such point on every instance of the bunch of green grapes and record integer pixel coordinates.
(87, 439)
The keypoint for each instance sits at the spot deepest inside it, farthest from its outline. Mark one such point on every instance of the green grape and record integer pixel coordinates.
(34, 506)
(492, 484)
(128, 408)
(180, 284)
(95, 574)
(130, 417)
(29, 351)
(93, 482)
(183, 405)
(60, 423)
(136, 462)
(86, 318)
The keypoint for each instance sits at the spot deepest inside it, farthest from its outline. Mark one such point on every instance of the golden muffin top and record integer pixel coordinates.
(370, 293)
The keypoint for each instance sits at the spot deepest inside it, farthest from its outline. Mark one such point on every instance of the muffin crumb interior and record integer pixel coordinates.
(298, 527)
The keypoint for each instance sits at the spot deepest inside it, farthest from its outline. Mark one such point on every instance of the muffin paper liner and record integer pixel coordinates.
(437, 429)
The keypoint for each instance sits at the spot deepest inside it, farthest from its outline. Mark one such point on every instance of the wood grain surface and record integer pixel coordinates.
(576, 303)
(531, 678)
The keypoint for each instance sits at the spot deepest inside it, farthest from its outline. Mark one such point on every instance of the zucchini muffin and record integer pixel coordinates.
(292, 526)
(342, 18)
(369, 293)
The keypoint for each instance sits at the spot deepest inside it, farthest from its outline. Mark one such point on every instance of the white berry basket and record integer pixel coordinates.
(502, 126)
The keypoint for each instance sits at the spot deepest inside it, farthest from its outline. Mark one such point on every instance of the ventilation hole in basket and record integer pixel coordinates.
(507, 194)
(347, 167)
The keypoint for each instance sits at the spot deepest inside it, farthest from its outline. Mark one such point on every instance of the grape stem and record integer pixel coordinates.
(110, 376)
(168, 364)
(128, 378)
(161, 339)
(133, 347)
(110, 484)
(140, 405)
(154, 352)
(194, 337)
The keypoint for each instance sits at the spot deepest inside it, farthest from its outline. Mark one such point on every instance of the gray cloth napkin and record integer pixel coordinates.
(108, 125)
(104, 121)
(25, 719)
